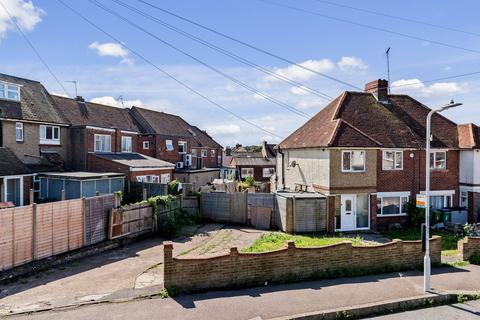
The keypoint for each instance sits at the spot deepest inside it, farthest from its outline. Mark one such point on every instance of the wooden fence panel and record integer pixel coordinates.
(216, 206)
(60, 227)
(131, 221)
(6, 238)
(23, 233)
(44, 231)
(191, 204)
(97, 210)
(238, 209)
(75, 224)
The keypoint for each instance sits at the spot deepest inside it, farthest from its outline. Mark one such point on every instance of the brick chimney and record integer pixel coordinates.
(379, 88)
(80, 99)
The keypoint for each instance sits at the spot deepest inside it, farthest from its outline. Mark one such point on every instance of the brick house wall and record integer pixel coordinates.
(236, 269)
(116, 139)
(151, 145)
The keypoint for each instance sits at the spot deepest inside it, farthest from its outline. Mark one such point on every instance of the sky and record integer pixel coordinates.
(342, 43)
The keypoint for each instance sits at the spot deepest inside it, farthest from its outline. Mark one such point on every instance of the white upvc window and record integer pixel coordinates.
(9, 91)
(268, 172)
(463, 199)
(103, 143)
(440, 199)
(194, 152)
(146, 145)
(148, 179)
(246, 172)
(182, 147)
(353, 161)
(165, 178)
(212, 153)
(392, 160)
(392, 203)
(49, 134)
(438, 160)
(169, 145)
(19, 131)
(204, 153)
(126, 144)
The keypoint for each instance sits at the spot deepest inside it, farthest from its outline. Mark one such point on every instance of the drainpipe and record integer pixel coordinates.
(283, 171)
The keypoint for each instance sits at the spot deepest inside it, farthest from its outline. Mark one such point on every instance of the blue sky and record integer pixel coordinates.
(104, 70)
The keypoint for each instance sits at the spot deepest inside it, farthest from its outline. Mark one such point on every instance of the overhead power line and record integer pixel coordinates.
(266, 52)
(382, 14)
(214, 69)
(183, 84)
(37, 53)
(363, 25)
(227, 53)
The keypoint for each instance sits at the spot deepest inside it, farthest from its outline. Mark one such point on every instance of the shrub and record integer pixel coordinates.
(475, 258)
(471, 230)
(250, 181)
(173, 188)
(415, 216)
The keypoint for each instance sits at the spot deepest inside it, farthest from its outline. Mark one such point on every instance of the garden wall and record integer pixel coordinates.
(468, 246)
(291, 264)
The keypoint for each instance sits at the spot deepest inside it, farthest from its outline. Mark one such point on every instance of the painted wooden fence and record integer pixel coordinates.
(131, 220)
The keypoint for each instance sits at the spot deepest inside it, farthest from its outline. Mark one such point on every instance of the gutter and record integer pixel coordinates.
(283, 170)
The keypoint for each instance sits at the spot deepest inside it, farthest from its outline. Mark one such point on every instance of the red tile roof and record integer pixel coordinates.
(357, 119)
(468, 136)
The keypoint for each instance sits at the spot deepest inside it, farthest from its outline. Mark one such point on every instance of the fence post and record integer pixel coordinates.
(63, 195)
(84, 222)
(32, 196)
(34, 231)
(144, 194)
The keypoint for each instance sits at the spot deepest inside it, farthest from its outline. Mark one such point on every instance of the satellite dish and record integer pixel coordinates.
(293, 163)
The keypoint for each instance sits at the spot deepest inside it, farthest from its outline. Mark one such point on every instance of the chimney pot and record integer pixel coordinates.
(379, 89)
(80, 99)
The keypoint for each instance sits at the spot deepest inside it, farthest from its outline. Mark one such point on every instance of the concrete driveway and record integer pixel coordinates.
(125, 273)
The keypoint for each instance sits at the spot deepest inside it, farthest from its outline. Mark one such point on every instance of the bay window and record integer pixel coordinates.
(392, 203)
(49, 134)
(353, 161)
(392, 160)
(438, 160)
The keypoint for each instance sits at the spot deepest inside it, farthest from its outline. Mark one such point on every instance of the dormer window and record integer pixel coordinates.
(9, 91)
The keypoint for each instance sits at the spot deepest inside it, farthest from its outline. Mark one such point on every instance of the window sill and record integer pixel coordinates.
(353, 171)
(50, 144)
(392, 169)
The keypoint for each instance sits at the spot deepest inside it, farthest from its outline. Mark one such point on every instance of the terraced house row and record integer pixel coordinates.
(52, 143)
(365, 151)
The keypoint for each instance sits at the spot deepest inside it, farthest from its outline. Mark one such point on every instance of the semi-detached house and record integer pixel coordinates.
(34, 137)
(365, 151)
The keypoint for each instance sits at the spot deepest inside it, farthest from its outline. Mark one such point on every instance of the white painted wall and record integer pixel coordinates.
(312, 167)
(467, 166)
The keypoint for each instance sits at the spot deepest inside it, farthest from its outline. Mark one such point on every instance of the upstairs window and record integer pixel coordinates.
(353, 161)
(438, 160)
(268, 172)
(182, 147)
(126, 144)
(194, 152)
(204, 153)
(246, 172)
(19, 131)
(392, 160)
(49, 134)
(169, 145)
(103, 143)
(146, 145)
(212, 153)
(9, 91)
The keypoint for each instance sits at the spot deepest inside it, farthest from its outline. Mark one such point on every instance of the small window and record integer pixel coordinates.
(146, 145)
(268, 172)
(246, 172)
(438, 160)
(182, 147)
(169, 145)
(441, 201)
(194, 152)
(49, 134)
(392, 160)
(165, 178)
(103, 143)
(18, 131)
(212, 153)
(464, 199)
(353, 161)
(204, 153)
(126, 144)
(9, 91)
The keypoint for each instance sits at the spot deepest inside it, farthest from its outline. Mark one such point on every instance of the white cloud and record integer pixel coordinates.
(415, 86)
(223, 130)
(351, 63)
(297, 73)
(111, 49)
(111, 101)
(25, 14)
(301, 91)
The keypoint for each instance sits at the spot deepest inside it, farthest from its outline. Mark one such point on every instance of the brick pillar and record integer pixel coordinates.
(169, 268)
(330, 213)
(373, 212)
(472, 208)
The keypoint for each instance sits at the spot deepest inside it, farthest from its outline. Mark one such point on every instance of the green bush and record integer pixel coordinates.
(173, 188)
(415, 216)
(250, 181)
(475, 258)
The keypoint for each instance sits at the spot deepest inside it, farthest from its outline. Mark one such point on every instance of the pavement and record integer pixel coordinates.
(461, 311)
(280, 300)
(129, 272)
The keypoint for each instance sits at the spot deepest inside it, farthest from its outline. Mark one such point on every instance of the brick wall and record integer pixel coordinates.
(290, 264)
(151, 145)
(468, 246)
(116, 141)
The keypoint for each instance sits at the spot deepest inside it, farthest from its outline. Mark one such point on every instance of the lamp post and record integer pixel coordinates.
(426, 260)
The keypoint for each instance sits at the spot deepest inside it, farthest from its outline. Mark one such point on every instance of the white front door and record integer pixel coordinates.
(348, 215)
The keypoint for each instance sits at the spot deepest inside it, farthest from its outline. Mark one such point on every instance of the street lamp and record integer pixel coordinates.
(426, 260)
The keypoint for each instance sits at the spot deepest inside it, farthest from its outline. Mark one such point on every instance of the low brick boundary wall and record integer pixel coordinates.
(468, 246)
(291, 264)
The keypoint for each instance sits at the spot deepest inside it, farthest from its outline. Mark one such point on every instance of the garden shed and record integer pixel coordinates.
(79, 184)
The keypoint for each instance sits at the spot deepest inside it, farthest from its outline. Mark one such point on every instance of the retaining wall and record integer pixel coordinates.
(468, 246)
